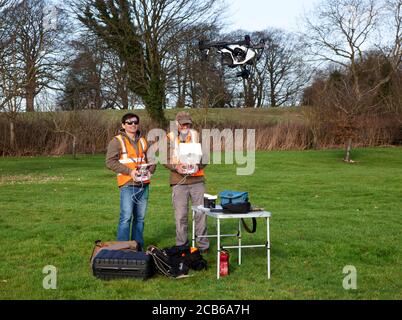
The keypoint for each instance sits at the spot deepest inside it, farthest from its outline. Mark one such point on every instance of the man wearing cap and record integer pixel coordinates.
(127, 156)
(186, 186)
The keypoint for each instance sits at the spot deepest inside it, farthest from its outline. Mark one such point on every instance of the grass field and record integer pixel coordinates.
(226, 116)
(326, 215)
(211, 116)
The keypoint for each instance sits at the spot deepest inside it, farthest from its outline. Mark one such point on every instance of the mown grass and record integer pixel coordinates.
(326, 215)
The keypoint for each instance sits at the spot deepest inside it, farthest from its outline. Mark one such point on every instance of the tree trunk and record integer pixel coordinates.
(74, 147)
(316, 145)
(248, 94)
(249, 99)
(260, 93)
(193, 96)
(30, 97)
(348, 150)
(154, 100)
(273, 97)
(12, 135)
(124, 98)
(180, 104)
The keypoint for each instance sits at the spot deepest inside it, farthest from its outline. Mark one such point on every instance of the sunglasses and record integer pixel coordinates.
(131, 122)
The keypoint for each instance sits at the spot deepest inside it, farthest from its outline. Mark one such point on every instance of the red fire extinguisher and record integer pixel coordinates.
(224, 263)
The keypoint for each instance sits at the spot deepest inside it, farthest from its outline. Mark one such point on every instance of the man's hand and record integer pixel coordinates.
(133, 173)
(181, 168)
(196, 168)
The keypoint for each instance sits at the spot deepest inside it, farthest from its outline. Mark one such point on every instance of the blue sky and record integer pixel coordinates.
(254, 15)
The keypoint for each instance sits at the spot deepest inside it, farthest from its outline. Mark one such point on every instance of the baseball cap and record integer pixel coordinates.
(183, 118)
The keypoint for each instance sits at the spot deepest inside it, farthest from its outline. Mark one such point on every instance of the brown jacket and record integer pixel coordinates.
(113, 156)
(177, 178)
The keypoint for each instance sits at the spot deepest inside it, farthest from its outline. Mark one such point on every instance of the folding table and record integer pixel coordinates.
(224, 216)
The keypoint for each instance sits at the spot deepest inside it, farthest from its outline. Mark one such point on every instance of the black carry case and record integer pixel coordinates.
(114, 264)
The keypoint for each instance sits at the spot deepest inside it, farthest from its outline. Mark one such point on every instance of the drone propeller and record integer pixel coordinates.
(203, 45)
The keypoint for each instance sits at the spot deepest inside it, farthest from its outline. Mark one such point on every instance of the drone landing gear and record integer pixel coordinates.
(244, 73)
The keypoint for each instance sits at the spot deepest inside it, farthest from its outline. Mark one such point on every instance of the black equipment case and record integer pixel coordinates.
(114, 264)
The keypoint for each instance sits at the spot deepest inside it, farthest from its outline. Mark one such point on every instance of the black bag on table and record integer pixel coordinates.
(237, 207)
(234, 201)
(237, 202)
(114, 264)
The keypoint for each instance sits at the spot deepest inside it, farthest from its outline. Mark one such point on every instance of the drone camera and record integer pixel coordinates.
(247, 40)
(245, 74)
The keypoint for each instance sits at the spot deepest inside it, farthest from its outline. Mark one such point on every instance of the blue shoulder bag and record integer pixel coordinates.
(237, 202)
(233, 197)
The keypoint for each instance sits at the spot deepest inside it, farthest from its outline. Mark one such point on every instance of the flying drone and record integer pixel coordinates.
(241, 54)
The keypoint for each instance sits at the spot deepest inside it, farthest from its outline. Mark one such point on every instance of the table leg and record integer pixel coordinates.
(239, 235)
(218, 245)
(193, 228)
(268, 250)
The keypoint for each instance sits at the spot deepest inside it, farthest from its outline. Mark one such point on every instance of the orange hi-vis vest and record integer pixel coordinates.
(130, 158)
(191, 138)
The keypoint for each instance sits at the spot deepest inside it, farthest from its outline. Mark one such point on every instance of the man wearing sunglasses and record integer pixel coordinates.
(127, 157)
(186, 186)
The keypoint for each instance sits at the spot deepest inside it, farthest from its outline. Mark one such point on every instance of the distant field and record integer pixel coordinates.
(326, 215)
(211, 115)
(217, 116)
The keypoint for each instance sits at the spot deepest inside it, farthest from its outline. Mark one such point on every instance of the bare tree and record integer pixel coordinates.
(10, 90)
(283, 71)
(39, 43)
(116, 89)
(181, 61)
(11, 84)
(7, 38)
(393, 51)
(3, 46)
(83, 81)
(193, 79)
(95, 77)
(339, 32)
(394, 12)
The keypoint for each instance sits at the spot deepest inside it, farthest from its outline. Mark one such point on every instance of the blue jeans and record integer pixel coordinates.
(133, 207)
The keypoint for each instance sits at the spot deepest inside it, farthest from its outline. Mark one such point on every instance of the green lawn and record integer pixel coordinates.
(326, 215)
